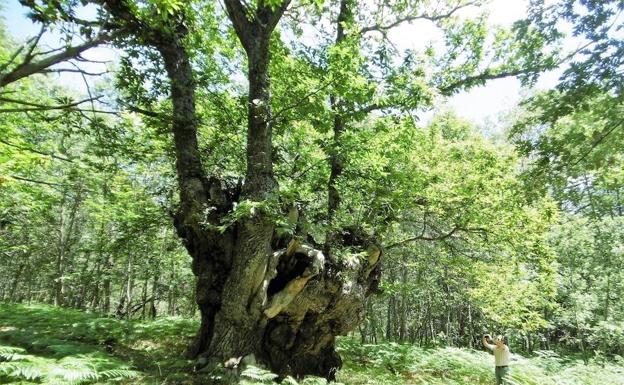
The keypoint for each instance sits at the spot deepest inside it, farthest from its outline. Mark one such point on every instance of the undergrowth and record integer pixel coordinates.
(50, 345)
(391, 363)
(47, 345)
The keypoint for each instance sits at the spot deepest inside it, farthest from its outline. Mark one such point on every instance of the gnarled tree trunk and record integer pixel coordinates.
(284, 306)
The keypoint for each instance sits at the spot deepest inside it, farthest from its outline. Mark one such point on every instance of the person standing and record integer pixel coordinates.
(501, 357)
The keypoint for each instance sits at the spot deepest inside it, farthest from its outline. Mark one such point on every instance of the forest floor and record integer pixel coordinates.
(47, 345)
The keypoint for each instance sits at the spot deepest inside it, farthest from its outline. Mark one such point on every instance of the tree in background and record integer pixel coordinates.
(573, 140)
(81, 226)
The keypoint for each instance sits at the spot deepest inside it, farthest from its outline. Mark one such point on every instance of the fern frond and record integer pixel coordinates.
(258, 374)
(290, 381)
(23, 370)
(11, 353)
(118, 374)
(314, 381)
(74, 374)
(11, 349)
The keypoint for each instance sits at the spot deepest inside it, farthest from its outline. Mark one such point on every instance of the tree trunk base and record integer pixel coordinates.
(308, 301)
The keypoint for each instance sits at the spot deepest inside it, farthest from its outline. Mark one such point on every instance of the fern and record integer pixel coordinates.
(290, 381)
(22, 370)
(10, 353)
(316, 381)
(258, 375)
(73, 374)
(255, 376)
(77, 369)
(118, 374)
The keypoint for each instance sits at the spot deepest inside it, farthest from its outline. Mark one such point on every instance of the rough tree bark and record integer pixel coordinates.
(284, 306)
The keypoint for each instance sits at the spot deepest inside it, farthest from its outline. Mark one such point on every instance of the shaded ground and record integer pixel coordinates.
(46, 345)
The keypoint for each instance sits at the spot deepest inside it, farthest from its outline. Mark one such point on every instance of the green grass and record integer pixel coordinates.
(46, 345)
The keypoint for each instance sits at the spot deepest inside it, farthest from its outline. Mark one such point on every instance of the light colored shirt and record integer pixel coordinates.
(501, 355)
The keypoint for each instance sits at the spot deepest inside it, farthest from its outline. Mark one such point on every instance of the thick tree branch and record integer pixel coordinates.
(276, 116)
(52, 184)
(168, 40)
(271, 16)
(30, 149)
(369, 108)
(73, 70)
(488, 74)
(243, 27)
(606, 132)
(253, 27)
(384, 28)
(145, 112)
(43, 107)
(28, 67)
(336, 157)
(439, 237)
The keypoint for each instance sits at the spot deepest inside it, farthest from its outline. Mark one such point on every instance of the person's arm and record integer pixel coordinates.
(484, 340)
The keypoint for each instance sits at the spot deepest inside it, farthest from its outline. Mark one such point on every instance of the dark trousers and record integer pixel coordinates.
(501, 372)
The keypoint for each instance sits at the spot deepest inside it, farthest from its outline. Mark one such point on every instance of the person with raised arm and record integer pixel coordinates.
(501, 357)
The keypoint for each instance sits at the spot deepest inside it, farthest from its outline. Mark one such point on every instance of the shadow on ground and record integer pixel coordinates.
(45, 344)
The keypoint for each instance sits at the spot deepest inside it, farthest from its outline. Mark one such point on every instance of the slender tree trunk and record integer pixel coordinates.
(155, 279)
(471, 325)
(66, 232)
(404, 301)
(171, 293)
(128, 293)
(101, 259)
(144, 300)
(16, 279)
(107, 287)
(390, 310)
(95, 295)
(59, 262)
